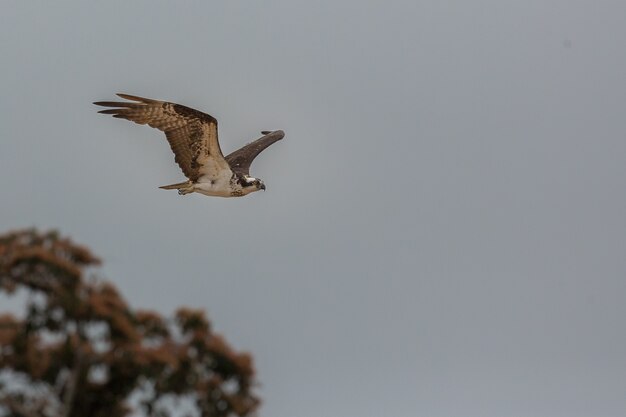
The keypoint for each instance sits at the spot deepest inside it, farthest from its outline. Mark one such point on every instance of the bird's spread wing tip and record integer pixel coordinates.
(273, 132)
(136, 98)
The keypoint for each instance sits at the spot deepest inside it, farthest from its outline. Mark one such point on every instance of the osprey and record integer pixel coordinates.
(193, 138)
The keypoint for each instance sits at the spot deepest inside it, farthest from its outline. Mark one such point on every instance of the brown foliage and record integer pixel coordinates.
(90, 350)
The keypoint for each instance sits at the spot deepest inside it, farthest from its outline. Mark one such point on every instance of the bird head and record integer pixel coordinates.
(251, 184)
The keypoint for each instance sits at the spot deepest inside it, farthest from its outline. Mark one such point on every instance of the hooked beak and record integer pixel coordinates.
(263, 187)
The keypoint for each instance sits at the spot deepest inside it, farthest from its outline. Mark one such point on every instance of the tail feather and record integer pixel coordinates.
(175, 186)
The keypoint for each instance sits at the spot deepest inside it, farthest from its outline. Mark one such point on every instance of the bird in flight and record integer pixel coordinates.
(192, 135)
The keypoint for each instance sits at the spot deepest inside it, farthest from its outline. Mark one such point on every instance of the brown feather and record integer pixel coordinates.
(192, 135)
(241, 159)
(137, 98)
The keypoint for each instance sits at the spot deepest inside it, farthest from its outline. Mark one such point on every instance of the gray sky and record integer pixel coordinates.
(444, 227)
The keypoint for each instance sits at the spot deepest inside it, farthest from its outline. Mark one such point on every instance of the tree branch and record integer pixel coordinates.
(72, 382)
(19, 409)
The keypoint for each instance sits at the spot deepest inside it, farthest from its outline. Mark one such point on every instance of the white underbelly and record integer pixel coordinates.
(219, 187)
(213, 191)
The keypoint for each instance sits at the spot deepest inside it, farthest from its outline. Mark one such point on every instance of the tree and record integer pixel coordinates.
(80, 350)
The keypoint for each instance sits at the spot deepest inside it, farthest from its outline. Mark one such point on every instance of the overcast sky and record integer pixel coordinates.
(444, 228)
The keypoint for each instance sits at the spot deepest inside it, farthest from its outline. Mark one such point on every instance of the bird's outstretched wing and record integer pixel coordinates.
(241, 159)
(192, 134)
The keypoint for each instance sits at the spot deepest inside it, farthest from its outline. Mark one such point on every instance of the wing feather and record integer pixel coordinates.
(192, 135)
(241, 159)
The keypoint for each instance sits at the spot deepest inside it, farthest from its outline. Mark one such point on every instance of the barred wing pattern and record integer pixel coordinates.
(192, 135)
